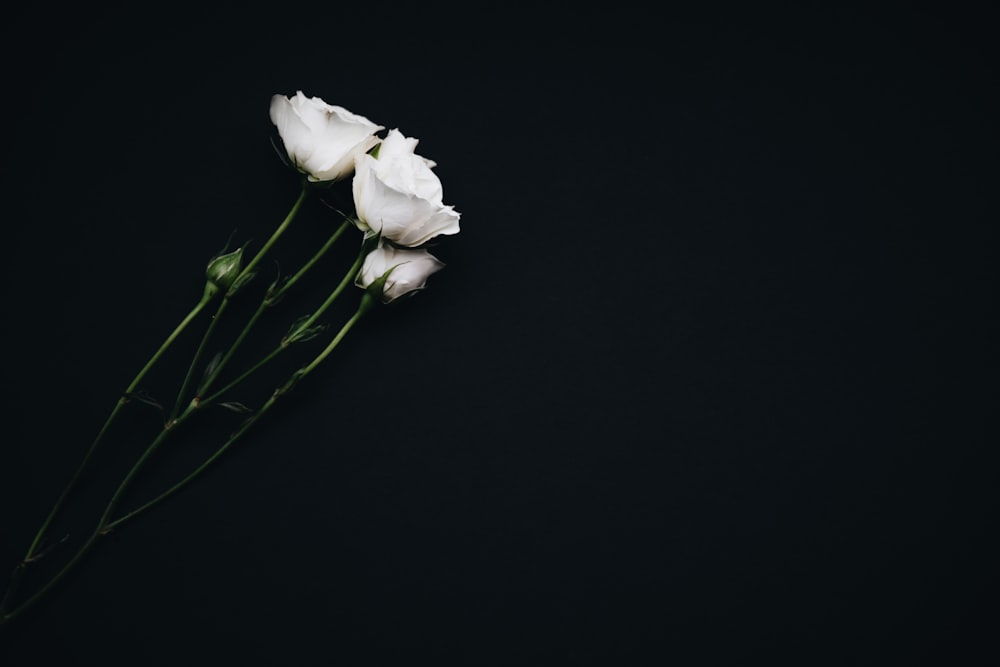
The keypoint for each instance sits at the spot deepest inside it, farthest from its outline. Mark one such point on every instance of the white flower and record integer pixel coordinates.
(399, 196)
(408, 270)
(321, 140)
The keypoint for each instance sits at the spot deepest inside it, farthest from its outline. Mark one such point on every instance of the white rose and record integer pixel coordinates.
(408, 270)
(321, 140)
(399, 196)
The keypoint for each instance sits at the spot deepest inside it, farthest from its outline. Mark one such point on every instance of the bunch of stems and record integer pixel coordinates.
(192, 400)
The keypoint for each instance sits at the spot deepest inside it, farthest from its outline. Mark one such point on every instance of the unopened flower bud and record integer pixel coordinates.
(389, 273)
(223, 270)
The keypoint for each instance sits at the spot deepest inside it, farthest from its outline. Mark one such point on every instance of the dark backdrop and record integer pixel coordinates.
(706, 380)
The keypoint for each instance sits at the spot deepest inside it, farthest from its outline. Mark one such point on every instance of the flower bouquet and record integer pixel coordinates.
(398, 208)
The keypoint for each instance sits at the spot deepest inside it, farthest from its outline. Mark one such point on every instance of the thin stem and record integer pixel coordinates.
(269, 300)
(274, 237)
(232, 350)
(287, 340)
(344, 282)
(105, 525)
(366, 304)
(197, 357)
(102, 525)
(312, 261)
(171, 422)
(237, 283)
(107, 424)
(243, 376)
(278, 393)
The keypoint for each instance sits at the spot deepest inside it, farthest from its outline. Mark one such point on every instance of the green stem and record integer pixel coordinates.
(367, 302)
(364, 307)
(197, 357)
(269, 300)
(344, 283)
(296, 377)
(103, 525)
(274, 237)
(232, 350)
(107, 424)
(277, 296)
(243, 376)
(237, 283)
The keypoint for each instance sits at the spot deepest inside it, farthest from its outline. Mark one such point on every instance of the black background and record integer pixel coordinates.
(706, 380)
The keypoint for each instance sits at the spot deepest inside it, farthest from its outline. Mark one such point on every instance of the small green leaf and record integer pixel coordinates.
(307, 334)
(210, 371)
(235, 406)
(298, 334)
(275, 292)
(144, 398)
(241, 282)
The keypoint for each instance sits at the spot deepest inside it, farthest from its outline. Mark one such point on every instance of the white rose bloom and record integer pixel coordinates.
(399, 196)
(409, 269)
(321, 140)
